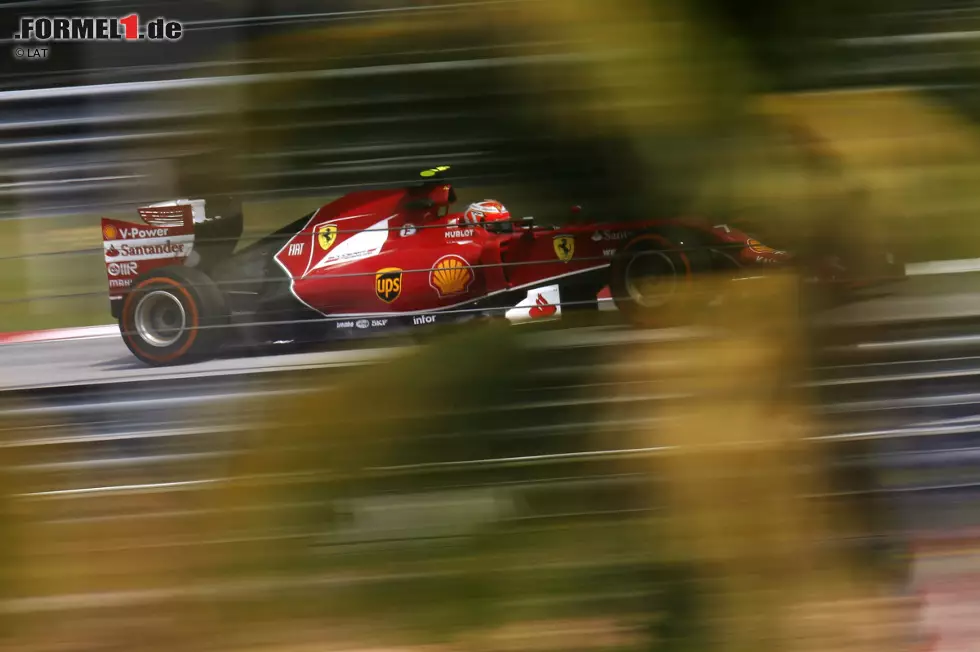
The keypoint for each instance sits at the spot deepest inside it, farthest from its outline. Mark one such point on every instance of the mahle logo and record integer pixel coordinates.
(388, 284)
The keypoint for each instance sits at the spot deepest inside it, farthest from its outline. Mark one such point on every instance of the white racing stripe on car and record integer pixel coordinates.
(285, 270)
(365, 244)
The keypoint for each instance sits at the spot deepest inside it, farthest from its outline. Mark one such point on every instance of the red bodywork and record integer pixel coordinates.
(402, 251)
(165, 238)
(367, 253)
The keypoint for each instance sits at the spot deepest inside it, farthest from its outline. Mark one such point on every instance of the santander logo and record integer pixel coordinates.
(542, 308)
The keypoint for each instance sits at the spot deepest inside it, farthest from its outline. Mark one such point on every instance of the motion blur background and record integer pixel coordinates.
(586, 489)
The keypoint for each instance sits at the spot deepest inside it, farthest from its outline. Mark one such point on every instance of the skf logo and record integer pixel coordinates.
(388, 284)
(450, 275)
(109, 232)
(564, 247)
(326, 235)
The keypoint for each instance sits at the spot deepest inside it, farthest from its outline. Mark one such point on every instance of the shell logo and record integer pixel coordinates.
(109, 232)
(450, 275)
(759, 248)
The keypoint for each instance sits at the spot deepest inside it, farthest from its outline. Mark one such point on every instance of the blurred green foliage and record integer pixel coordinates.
(453, 400)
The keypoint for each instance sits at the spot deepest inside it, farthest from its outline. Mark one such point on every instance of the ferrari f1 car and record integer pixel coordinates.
(374, 261)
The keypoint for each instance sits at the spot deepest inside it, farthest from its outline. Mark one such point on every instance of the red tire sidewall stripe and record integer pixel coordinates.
(192, 309)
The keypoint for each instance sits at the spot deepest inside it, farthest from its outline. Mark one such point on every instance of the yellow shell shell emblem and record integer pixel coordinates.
(564, 247)
(758, 247)
(109, 232)
(450, 275)
(326, 235)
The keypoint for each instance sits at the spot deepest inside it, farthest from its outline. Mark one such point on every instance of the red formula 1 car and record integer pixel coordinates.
(374, 261)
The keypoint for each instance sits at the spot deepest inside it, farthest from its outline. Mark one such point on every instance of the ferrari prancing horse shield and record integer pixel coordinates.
(326, 234)
(564, 247)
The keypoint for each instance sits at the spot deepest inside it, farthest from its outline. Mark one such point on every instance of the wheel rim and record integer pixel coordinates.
(651, 279)
(160, 318)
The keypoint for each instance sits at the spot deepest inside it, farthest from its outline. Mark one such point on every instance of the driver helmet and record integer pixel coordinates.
(488, 210)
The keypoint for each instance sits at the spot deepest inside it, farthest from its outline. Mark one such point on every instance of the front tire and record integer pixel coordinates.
(651, 276)
(173, 315)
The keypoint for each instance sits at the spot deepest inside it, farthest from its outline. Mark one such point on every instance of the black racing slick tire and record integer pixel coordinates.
(173, 315)
(650, 277)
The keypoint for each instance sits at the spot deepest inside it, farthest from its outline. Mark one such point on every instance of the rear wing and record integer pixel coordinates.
(166, 237)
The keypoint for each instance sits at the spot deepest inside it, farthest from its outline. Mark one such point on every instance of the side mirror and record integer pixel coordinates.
(527, 224)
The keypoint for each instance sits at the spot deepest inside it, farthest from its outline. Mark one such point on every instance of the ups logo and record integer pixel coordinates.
(388, 283)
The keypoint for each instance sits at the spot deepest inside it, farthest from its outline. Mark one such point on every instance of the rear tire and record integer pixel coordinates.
(173, 315)
(651, 276)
